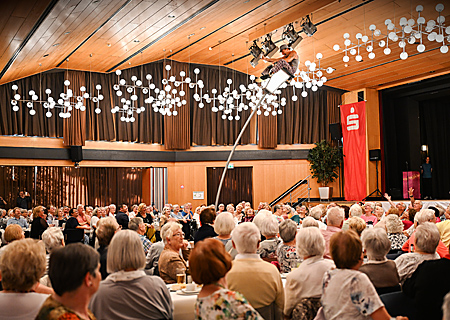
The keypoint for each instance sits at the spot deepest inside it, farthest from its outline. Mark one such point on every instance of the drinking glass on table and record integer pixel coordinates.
(181, 276)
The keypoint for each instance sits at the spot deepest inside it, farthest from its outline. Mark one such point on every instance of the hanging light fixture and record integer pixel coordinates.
(408, 33)
(308, 27)
(268, 46)
(291, 36)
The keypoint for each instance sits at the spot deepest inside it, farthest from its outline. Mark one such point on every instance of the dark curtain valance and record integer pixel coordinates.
(59, 186)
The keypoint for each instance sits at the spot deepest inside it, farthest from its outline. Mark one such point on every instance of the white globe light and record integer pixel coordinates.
(304, 94)
(387, 22)
(196, 70)
(402, 44)
(371, 55)
(447, 31)
(48, 91)
(307, 63)
(122, 82)
(294, 98)
(346, 35)
(319, 56)
(34, 98)
(403, 21)
(408, 29)
(365, 39)
(372, 27)
(14, 87)
(67, 83)
(358, 58)
(138, 83)
(82, 108)
(48, 114)
(118, 72)
(439, 7)
(229, 81)
(167, 67)
(444, 49)
(201, 105)
(32, 112)
(387, 51)
(347, 42)
(336, 47)
(390, 26)
(31, 93)
(175, 112)
(86, 95)
(419, 8)
(134, 97)
(15, 108)
(369, 48)
(404, 55)
(17, 96)
(421, 20)
(382, 43)
(353, 51)
(439, 38)
(359, 35)
(98, 110)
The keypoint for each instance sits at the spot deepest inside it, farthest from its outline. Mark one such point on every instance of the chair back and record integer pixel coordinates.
(270, 312)
(399, 304)
(73, 235)
(306, 309)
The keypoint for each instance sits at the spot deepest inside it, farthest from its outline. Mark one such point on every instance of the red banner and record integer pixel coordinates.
(353, 117)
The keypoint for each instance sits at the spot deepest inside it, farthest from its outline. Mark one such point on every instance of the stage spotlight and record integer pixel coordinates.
(268, 46)
(291, 36)
(308, 27)
(256, 53)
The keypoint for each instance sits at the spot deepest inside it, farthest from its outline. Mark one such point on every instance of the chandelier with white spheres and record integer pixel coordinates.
(66, 102)
(312, 78)
(173, 94)
(410, 31)
(129, 96)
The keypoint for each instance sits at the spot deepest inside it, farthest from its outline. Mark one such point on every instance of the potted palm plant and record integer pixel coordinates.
(325, 160)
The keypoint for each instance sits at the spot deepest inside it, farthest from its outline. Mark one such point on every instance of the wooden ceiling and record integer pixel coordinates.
(105, 35)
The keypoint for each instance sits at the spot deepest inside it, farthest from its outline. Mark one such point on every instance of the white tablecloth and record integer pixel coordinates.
(183, 306)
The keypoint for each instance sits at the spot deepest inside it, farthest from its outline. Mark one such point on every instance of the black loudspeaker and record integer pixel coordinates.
(374, 154)
(335, 130)
(360, 96)
(76, 153)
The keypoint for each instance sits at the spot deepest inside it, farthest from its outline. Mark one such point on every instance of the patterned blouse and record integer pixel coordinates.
(53, 310)
(397, 240)
(287, 258)
(225, 304)
(268, 248)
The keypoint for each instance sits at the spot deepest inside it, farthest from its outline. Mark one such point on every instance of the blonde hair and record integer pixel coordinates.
(36, 211)
(168, 229)
(22, 264)
(125, 252)
(356, 224)
(224, 223)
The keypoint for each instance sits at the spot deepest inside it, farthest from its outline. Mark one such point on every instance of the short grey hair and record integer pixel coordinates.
(310, 242)
(260, 216)
(356, 210)
(427, 237)
(310, 222)
(53, 238)
(335, 216)
(371, 204)
(288, 230)
(125, 252)
(425, 215)
(80, 206)
(246, 237)
(224, 223)
(376, 243)
(393, 224)
(316, 212)
(168, 230)
(269, 227)
(134, 223)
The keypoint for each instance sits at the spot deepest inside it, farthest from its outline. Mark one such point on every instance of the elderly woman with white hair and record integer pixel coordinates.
(304, 285)
(426, 240)
(316, 212)
(354, 211)
(223, 226)
(53, 238)
(381, 271)
(269, 229)
(128, 293)
(310, 222)
(286, 252)
(170, 260)
(368, 215)
(394, 229)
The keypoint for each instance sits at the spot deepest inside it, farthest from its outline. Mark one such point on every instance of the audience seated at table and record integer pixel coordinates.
(128, 293)
(381, 271)
(286, 251)
(209, 264)
(347, 292)
(18, 300)
(259, 281)
(170, 260)
(304, 285)
(425, 243)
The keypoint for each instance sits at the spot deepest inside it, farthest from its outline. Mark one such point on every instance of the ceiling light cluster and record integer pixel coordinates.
(410, 31)
(129, 98)
(66, 102)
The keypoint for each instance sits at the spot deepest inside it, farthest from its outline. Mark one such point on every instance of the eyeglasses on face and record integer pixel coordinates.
(179, 234)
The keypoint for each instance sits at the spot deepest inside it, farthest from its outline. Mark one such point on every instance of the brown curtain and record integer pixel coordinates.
(75, 125)
(21, 122)
(208, 128)
(177, 129)
(334, 100)
(267, 132)
(304, 121)
(70, 186)
(237, 186)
